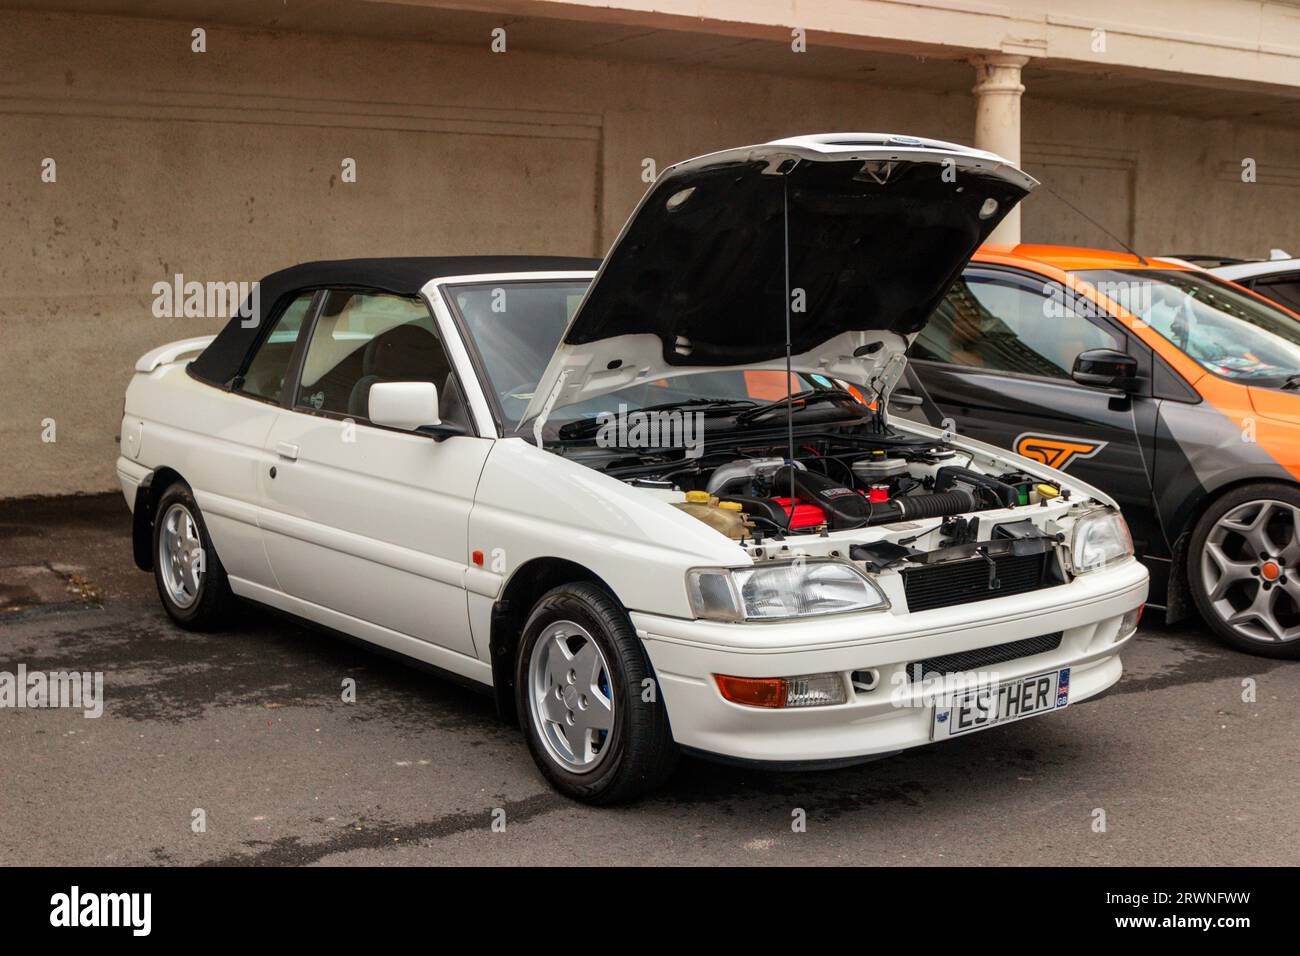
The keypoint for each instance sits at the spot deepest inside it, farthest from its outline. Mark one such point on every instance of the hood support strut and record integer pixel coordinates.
(786, 168)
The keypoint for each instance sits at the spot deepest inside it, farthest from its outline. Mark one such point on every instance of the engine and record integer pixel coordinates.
(830, 488)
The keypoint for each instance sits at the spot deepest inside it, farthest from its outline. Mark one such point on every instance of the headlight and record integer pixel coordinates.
(1100, 538)
(778, 590)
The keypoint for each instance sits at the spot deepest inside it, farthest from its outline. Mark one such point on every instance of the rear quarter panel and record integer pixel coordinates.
(214, 439)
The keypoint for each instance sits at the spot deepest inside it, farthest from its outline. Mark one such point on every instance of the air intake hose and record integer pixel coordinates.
(954, 476)
(939, 505)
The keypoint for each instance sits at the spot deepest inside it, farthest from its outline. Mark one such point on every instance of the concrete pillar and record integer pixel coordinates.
(997, 120)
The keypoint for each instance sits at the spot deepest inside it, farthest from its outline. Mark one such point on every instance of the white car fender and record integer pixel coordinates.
(534, 504)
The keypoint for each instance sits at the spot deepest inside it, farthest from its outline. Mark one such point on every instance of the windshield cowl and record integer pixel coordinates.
(620, 424)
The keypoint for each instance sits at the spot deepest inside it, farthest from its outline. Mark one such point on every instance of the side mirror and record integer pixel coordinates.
(410, 406)
(404, 405)
(1106, 368)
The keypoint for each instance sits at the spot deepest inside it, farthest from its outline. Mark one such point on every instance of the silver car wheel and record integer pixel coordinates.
(570, 696)
(1251, 570)
(180, 556)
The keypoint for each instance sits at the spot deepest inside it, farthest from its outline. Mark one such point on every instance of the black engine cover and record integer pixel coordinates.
(844, 507)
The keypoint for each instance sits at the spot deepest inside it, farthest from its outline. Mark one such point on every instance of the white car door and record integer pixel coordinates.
(227, 460)
(371, 522)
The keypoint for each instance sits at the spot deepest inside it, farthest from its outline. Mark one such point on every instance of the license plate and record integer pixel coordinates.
(977, 708)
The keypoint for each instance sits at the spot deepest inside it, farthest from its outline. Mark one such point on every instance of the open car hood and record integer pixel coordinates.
(879, 227)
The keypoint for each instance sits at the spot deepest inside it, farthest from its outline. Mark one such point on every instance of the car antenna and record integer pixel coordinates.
(1127, 248)
(789, 393)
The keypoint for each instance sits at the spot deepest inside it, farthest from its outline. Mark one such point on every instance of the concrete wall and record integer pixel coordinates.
(1162, 183)
(1208, 42)
(226, 165)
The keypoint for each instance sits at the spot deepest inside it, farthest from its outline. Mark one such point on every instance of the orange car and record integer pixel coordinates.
(1173, 390)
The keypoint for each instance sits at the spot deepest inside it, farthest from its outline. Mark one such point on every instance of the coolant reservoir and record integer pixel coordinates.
(725, 517)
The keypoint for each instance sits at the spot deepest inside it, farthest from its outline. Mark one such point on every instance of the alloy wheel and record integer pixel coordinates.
(1250, 567)
(180, 556)
(569, 695)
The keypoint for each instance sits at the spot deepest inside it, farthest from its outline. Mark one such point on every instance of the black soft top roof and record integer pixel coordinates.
(221, 361)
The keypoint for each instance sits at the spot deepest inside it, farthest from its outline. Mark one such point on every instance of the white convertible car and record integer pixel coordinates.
(600, 493)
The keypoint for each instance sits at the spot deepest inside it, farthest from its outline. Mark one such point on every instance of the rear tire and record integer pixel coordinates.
(580, 679)
(191, 581)
(1243, 569)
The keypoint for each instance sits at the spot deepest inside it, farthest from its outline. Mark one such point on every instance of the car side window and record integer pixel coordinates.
(265, 375)
(362, 338)
(1009, 326)
(1284, 290)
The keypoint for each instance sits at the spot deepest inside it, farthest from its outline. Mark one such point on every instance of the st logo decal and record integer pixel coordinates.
(1055, 451)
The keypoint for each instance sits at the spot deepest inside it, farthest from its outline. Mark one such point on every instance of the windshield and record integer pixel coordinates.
(516, 326)
(1224, 329)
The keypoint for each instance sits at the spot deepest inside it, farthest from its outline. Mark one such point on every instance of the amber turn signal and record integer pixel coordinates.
(754, 691)
(806, 690)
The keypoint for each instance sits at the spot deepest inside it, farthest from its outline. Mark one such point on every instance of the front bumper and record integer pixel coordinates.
(895, 715)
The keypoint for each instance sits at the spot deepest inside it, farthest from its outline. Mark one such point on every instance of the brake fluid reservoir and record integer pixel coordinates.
(878, 467)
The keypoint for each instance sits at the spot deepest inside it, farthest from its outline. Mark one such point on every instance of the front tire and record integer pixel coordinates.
(1243, 568)
(191, 581)
(581, 679)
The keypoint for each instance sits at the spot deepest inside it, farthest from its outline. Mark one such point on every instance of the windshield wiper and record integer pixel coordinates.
(589, 427)
(799, 401)
(706, 405)
(1292, 382)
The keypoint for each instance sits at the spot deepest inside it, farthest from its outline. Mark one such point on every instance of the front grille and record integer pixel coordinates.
(983, 657)
(961, 582)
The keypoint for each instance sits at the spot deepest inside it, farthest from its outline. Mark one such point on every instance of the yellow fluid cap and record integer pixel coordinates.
(1047, 491)
(730, 505)
(697, 497)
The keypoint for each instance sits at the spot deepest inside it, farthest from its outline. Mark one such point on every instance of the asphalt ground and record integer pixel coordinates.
(1177, 765)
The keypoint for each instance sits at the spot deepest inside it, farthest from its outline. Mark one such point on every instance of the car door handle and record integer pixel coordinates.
(286, 450)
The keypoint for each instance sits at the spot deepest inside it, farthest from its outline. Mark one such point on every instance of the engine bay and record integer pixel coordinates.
(885, 500)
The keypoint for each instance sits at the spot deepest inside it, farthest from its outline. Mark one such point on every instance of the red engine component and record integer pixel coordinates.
(805, 515)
